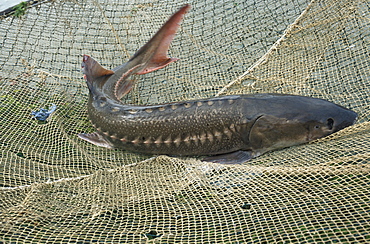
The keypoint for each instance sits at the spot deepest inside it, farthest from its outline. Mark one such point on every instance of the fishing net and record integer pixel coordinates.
(58, 188)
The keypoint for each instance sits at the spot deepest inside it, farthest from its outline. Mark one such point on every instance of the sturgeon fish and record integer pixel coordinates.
(228, 129)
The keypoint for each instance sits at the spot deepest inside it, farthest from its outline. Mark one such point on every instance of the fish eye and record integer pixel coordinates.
(330, 123)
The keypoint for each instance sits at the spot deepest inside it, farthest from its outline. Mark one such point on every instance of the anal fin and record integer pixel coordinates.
(237, 157)
(96, 139)
(124, 85)
(122, 89)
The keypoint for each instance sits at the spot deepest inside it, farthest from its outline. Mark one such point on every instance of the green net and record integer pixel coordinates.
(58, 188)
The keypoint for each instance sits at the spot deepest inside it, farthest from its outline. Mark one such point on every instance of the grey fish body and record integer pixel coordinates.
(199, 127)
(255, 123)
(242, 126)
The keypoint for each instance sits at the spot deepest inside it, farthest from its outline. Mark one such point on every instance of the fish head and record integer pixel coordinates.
(329, 119)
(298, 123)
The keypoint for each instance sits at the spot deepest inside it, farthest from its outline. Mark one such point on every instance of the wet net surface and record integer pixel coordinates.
(58, 188)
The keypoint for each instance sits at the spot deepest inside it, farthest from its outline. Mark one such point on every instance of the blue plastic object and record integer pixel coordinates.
(43, 114)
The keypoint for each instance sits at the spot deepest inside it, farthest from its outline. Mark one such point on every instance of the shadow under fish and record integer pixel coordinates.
(228, 129)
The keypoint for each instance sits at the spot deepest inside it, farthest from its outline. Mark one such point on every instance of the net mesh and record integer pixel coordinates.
(58, 188)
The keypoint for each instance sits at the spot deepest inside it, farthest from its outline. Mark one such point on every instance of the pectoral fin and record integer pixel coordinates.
(237, 157)
(154, 53)
(95, 139)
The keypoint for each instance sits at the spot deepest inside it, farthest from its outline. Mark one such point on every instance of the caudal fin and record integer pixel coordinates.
(153, 55)
(150, 57)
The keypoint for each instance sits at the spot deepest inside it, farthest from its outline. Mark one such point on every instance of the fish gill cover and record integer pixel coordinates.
(58, 188)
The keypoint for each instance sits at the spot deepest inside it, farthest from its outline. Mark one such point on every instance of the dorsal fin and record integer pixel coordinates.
(92, 69)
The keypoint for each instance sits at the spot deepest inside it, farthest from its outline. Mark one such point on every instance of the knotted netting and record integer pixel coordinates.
(58, 188)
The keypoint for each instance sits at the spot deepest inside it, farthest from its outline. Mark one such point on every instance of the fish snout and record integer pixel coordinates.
(345, 119)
